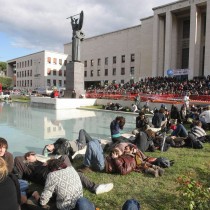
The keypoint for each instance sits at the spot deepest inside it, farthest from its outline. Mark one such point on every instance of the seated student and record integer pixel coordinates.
(159, 119)
(178, 136)
(180, 130)
(141, 123)
(115, 127)
(29, 168)
(9, 195)
(134, 108)
(144, 140)
(198, 131)
(7, 156)
(61, 175)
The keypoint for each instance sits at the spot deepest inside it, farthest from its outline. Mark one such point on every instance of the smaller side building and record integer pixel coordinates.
(41, 69)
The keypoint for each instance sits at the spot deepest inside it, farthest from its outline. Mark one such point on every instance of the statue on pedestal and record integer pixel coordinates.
(77, 36)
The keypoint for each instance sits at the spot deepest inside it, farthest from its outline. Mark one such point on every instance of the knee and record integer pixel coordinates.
(84, 203)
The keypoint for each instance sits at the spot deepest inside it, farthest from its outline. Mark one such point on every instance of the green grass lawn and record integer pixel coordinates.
(154, 193)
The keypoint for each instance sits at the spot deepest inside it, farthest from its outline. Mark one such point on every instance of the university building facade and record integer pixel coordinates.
(175, 41)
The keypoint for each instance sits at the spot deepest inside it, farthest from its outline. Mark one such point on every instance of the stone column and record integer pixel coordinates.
(155, 46)
(207, 43)
(195, 41)
(168, 41)
(158, 46)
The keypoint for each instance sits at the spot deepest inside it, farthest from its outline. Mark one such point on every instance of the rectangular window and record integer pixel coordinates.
(85, 63)
(85, 73)
(64, 73)
(49, 59)
(186, 29)
(54, 72)
(123, 59)
(20, 64)
(106, 72)
(60, 72)
(132, 57)
(54, 60)
(122, 81)
(122, 71)
(48, 82)
(99, 61)
(54, 82)
(114, 71)
(60, 61)
(185, 58)
(60, 83)
(91, 62)
(114, 59)
(31, 82)
(49, 71)
(106, 61)
(31, 73)
(132, 71)
(98, 73)
(91, 73)
(65, 62)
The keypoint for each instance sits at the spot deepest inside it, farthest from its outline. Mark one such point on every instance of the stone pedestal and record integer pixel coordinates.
(74, 79)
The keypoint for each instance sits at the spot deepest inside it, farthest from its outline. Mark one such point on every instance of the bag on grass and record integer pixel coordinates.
(163, 162)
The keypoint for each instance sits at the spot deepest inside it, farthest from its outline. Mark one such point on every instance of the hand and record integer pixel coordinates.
(114, 155)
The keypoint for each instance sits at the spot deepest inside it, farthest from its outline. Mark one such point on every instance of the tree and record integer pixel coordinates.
(3, 66)
(6, 82)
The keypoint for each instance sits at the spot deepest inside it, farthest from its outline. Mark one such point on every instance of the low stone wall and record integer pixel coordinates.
(61, 103)
(72, 103)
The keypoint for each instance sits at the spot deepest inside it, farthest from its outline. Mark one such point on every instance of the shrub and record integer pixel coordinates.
(193, 193)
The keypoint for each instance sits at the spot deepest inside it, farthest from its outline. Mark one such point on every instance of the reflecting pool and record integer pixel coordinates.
(29, 129)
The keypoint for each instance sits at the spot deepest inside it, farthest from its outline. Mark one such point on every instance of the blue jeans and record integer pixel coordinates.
(180, 131)
(131, 204)
(94, 157)
(84, 203)
(23, 186)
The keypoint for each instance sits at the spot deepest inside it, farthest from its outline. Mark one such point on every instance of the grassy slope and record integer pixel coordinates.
(153, 193)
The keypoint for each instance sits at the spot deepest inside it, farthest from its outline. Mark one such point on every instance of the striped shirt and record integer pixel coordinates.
(198, 131)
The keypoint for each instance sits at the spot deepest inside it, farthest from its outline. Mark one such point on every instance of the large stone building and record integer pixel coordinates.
(174, 41)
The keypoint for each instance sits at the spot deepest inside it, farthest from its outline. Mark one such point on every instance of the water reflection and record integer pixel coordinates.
(27, 128)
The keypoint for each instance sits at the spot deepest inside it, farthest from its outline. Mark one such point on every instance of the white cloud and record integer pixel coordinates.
(40, 25)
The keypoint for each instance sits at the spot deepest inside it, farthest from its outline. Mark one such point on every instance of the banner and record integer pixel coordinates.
(177, 72)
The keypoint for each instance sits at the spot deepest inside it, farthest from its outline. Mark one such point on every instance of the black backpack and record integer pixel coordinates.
(163, 162)
(193, 142)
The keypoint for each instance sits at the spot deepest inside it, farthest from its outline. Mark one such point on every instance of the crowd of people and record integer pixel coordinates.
(160, 85)
(63, 184)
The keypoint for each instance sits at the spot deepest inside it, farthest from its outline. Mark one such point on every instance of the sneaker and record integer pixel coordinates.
(103, 188)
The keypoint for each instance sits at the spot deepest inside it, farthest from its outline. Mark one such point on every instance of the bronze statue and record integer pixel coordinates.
(77, 36)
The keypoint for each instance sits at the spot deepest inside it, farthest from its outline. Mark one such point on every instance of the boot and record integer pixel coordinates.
(152, 171)
(159, 169)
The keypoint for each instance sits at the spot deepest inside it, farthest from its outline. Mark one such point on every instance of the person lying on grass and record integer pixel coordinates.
(30, 168)
(130, 160)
